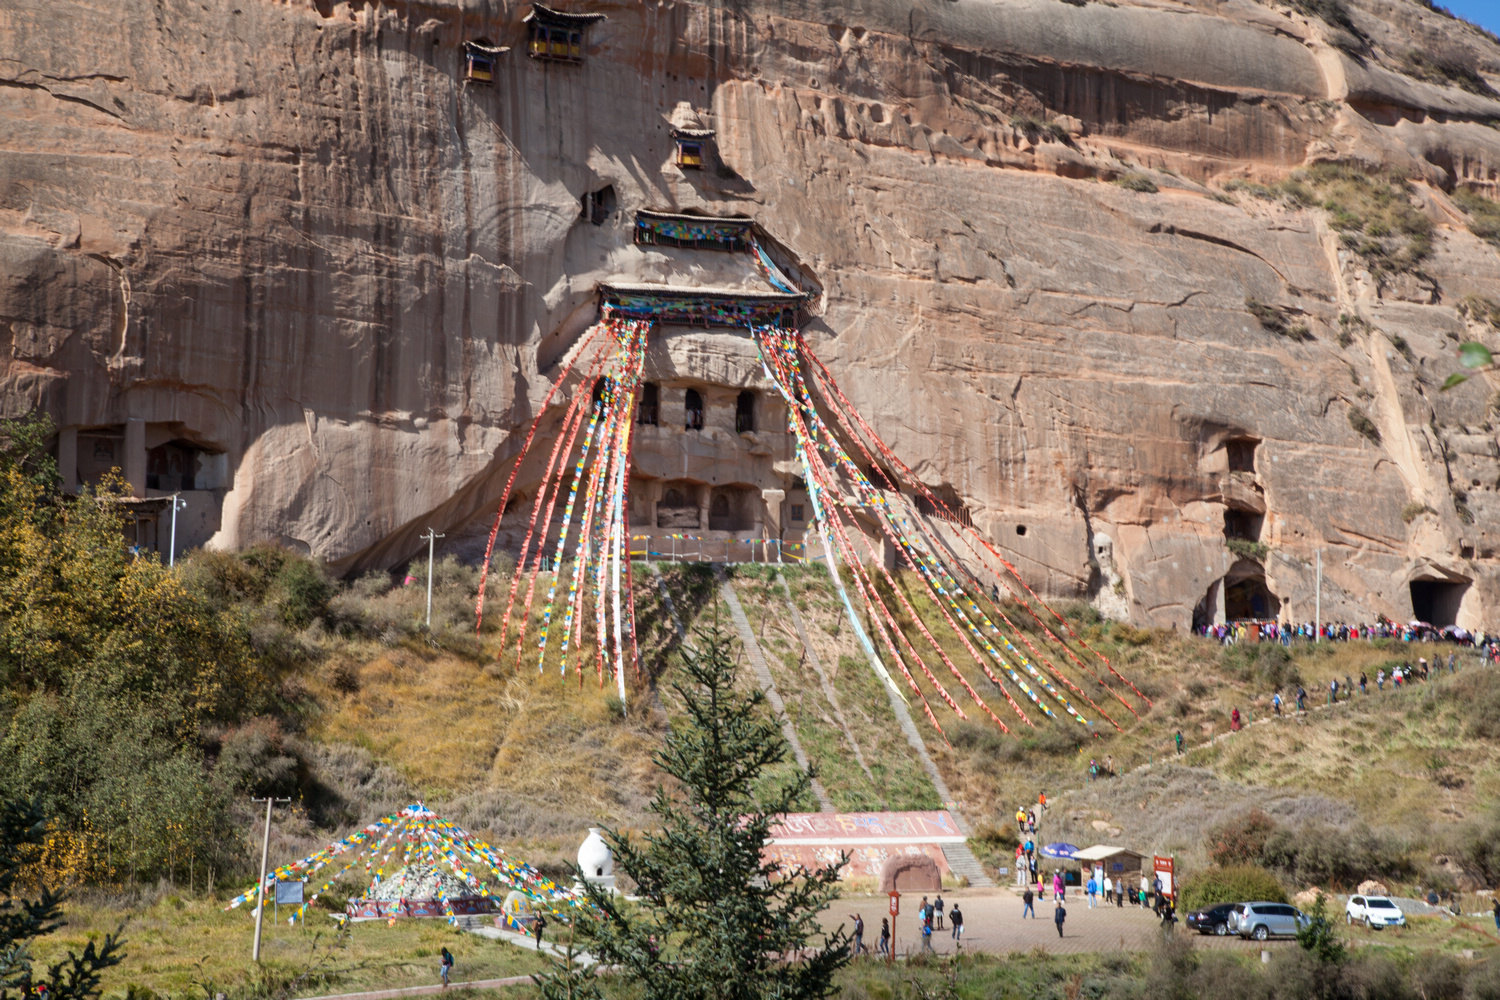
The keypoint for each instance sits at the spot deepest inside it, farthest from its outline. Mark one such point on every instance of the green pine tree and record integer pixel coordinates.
(714, 921)
(22, 920)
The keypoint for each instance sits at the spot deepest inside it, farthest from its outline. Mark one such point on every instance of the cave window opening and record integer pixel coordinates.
(1436, 602)
(718, 514)
(1241, 454)
(676, 509)
(744, 412)
(1021, 530)
(1243, 525)
(693, 405)
(649, 409)
(797, 513)
(172, 466)
(597, 206)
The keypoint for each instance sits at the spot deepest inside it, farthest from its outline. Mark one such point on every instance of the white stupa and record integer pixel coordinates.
(596, 860)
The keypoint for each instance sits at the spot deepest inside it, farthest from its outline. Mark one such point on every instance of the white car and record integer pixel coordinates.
(1374, 912)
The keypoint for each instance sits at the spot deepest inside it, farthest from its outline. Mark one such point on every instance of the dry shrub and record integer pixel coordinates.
(1241, 840)
(1233, 884)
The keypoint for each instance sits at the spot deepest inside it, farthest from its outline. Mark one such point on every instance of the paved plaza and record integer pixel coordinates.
(992, 923)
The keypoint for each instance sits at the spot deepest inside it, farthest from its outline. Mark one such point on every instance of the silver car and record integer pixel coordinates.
(1263, 920)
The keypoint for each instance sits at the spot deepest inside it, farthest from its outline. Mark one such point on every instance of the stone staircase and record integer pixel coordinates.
(763, 676)
(961, 861)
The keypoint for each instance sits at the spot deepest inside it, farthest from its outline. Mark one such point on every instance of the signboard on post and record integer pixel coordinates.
(895, 904)
(289, 893)
(1164, 868)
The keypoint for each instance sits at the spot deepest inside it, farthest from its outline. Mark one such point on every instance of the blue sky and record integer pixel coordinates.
(1485, 13)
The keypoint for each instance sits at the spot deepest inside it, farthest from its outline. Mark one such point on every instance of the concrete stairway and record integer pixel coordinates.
(763, 676)
(961, 861)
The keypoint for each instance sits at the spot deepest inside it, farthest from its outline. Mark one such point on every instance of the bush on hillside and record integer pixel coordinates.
(1335, 858)
(1241, 840)
(1265, 665)
(1232, 884)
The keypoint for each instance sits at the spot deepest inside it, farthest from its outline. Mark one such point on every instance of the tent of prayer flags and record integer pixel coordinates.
(424, 853)
(861, 495)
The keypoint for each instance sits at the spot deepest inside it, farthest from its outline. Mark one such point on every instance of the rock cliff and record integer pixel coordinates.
(303, 261)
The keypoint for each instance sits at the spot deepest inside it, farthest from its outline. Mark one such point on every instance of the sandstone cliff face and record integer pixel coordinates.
(282, 254)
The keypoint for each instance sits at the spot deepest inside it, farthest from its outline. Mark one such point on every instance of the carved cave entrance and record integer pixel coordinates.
(1249, 597)
(1436, 601)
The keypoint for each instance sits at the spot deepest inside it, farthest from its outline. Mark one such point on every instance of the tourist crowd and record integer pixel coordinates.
(1288, 632)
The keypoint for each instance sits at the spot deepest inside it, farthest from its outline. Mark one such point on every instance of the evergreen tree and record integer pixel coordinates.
(714, 920)
(76, 977)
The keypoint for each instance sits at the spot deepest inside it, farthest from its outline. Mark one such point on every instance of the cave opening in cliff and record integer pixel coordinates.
(597, 206)
(744, 411)
(1248, 597)
(1243, 524)
(649, 411)
(1437, 601)
(1241, 454)
(692, 404)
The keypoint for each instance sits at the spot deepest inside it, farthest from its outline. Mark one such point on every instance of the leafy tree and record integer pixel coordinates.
(110, 669)
(75, 977)
(714, 921)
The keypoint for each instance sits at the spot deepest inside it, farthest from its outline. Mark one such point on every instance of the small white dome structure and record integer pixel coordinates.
(595, 858)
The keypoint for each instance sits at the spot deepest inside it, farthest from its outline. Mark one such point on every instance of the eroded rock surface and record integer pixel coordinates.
(283, 255)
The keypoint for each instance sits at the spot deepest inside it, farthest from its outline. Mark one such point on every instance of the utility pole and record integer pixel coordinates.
(1318, 602)
(432, 538)
(265, 850)
(177, 504)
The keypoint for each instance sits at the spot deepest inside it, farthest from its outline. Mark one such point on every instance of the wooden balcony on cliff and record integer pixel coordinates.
(694, 232)
(702, 307)
(555, 36)
(694, 147)
(480, 57)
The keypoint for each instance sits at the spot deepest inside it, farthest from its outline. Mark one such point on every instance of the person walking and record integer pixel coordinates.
(1179, 742)
(1027, 897)
(1058, 916)
(937, 913)
(1092, 890)
(884, 945)
(1276, 703)
(1234, 720)
(1109, 889)
(1059, 887)
(446, 968)
(927, 937)
(859, 935)
(1301, 698)
(1380, 679)
(956, 920)
(538, 925)
(1364, 683)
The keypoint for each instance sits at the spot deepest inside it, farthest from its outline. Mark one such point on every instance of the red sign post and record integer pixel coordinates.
(895, 903)
(1164, 871)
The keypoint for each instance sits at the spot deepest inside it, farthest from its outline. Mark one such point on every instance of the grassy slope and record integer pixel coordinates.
(535, 758)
